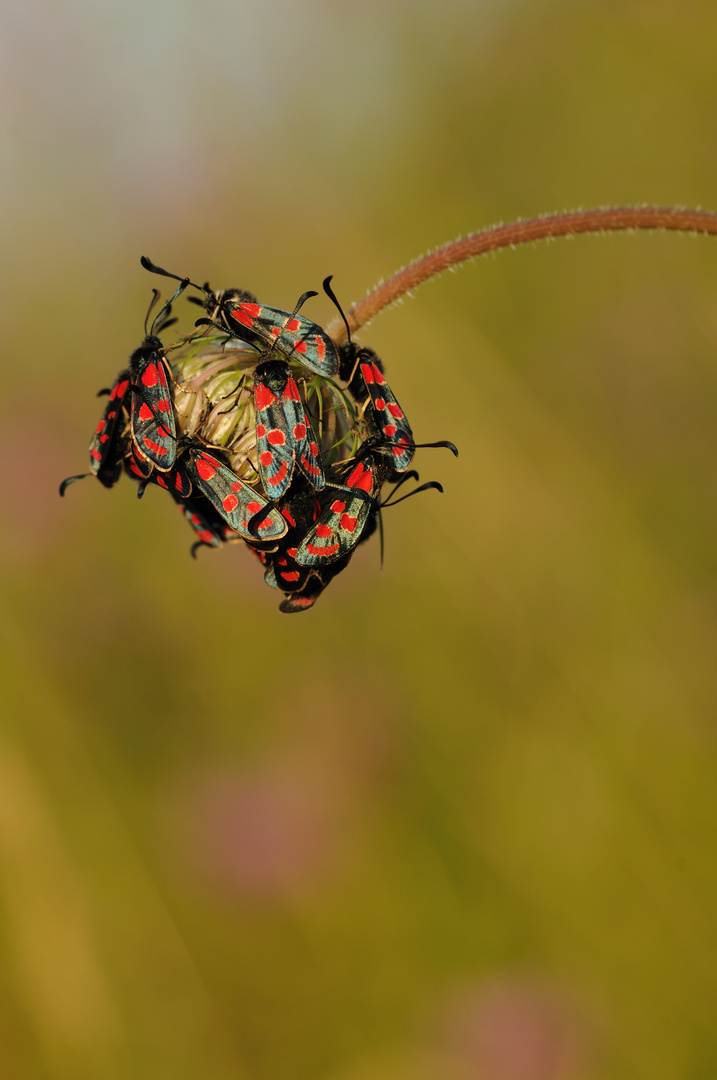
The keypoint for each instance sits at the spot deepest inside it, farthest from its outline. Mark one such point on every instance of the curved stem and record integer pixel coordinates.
(519, 232)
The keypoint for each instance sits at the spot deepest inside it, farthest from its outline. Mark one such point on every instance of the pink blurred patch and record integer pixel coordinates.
(284, 824)
(516, 1029)
(264, 834)
(30, 478)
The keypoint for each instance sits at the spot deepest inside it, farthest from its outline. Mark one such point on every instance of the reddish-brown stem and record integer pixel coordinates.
(519, 232)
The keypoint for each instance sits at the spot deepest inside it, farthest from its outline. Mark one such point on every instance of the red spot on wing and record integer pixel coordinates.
(278, 479)
(263, 396)
(292, 391)
(289, 516)
(322, 552)
(289, 575)
(311, 469)
(321, 347)
(246, 313)
(323, 531)
(260, 431)
(379, 404)
(395, 410)
(206, 467)
(254, 507)
(361, 478)
(300, 347)
(160, 451)
(276, 437)
(348, 523)
(389, 430)
(150, 375)
(230, 503)
(378, 374)
(266, 458)
(367, 373)
(338, 506)
(300, 432)
(145, 413)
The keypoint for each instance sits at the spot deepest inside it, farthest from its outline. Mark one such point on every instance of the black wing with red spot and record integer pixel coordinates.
(105, 456)
(284, 436)
(388, 414)
(294, 336)
(234, 500)
(154, 429)
(339, 528)
(300, 511)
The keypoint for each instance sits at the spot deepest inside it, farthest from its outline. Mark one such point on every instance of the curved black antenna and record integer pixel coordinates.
(356, 348)
(302, 300)
(167, 323)
(255, 521)
(71, 479)
(155, 297)
(443, 443)
(216, 325)
(424, 487)
(163, 312)
(410, 475)
(154, 269)
(332, 297)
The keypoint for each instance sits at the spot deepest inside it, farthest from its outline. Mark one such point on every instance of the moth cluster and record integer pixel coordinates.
(263, 431)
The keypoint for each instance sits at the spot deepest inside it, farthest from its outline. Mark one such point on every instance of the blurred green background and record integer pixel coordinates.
(458, 821)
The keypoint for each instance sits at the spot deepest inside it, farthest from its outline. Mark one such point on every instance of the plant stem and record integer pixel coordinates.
(519, 232)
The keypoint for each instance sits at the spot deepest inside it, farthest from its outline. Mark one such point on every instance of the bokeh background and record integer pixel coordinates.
(459, 820)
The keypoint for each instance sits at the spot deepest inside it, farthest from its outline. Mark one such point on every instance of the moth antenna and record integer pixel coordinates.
(70, 480)
(155, 297)
(154, 269)
(424, 487)
(302, 300)
(168, 306)
(410, 475)
(332, 297)
(443, 443)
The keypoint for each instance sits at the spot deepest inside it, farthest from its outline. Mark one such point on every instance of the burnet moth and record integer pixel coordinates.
(284, 437)
(151, 412)
(239, 314)
(362, 370)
